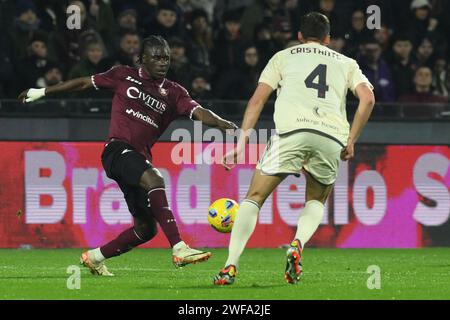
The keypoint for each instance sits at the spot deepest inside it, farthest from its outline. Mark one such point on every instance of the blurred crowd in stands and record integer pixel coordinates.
(219, 47)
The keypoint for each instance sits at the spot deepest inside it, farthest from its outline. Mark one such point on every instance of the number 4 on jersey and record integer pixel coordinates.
(321, 86)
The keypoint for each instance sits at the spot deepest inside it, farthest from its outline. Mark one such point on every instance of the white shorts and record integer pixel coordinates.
(313, 151)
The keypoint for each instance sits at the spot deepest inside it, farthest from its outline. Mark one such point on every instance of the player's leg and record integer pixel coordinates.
(310, 218)
(321, 170)
(153, 182)
(125, 166)
(312, 214)
(261, 187)
(143, 230)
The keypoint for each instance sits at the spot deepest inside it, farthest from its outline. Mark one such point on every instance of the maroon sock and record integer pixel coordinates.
(162, 213)
(126, 241)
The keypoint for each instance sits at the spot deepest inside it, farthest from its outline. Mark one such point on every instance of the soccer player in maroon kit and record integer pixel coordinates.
(143, 106)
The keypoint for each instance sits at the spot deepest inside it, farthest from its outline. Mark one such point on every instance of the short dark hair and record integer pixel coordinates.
(315, 25)
(231, 16)
(402, 37)
(128, 33)
(198, 13)
(176, 42)
(370, 39)
(150, 42)
(166, 5)
(38, 36)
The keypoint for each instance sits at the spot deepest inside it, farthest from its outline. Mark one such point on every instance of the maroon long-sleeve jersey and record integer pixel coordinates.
(142, 108)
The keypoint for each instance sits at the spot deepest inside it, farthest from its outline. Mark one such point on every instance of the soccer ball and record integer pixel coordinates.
(222, 213)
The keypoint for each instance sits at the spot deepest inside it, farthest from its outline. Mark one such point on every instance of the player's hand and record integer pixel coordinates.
(228, 125)
(349, 151)
(230, 160)
(31, 95)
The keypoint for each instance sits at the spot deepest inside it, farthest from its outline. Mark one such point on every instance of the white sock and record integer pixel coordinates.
(309, 220)
(244, 225)
(96, 255)
(179, 246)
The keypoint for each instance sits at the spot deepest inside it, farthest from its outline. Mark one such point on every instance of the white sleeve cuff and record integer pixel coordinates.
(362, 82)
(192, 112)
(93, 82)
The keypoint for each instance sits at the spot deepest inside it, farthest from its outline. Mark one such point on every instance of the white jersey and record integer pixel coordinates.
(312, 83)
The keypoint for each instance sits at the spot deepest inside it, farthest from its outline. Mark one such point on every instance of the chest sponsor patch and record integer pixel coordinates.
(142, 117)
(149, 101)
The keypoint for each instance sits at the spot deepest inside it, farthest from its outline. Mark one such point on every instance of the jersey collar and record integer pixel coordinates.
(144, 75)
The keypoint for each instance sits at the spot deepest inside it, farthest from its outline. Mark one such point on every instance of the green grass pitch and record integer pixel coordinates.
(149, 274)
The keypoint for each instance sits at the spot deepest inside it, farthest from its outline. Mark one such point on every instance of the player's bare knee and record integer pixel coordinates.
(320, 194)
(256, 196)
(317, 198)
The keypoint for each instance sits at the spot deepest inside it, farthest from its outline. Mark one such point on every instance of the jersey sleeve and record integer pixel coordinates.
(356, 77)
(185, 105)
(107, 79)
(271, 74)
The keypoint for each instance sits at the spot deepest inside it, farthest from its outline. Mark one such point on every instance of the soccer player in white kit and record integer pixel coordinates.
(312, 135)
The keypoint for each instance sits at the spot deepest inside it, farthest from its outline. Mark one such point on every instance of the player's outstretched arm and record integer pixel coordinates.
(254, 107)
(77, 84)
(211, 119)
(366, 102)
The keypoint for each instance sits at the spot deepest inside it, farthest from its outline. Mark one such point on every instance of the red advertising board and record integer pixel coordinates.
(388, 196)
